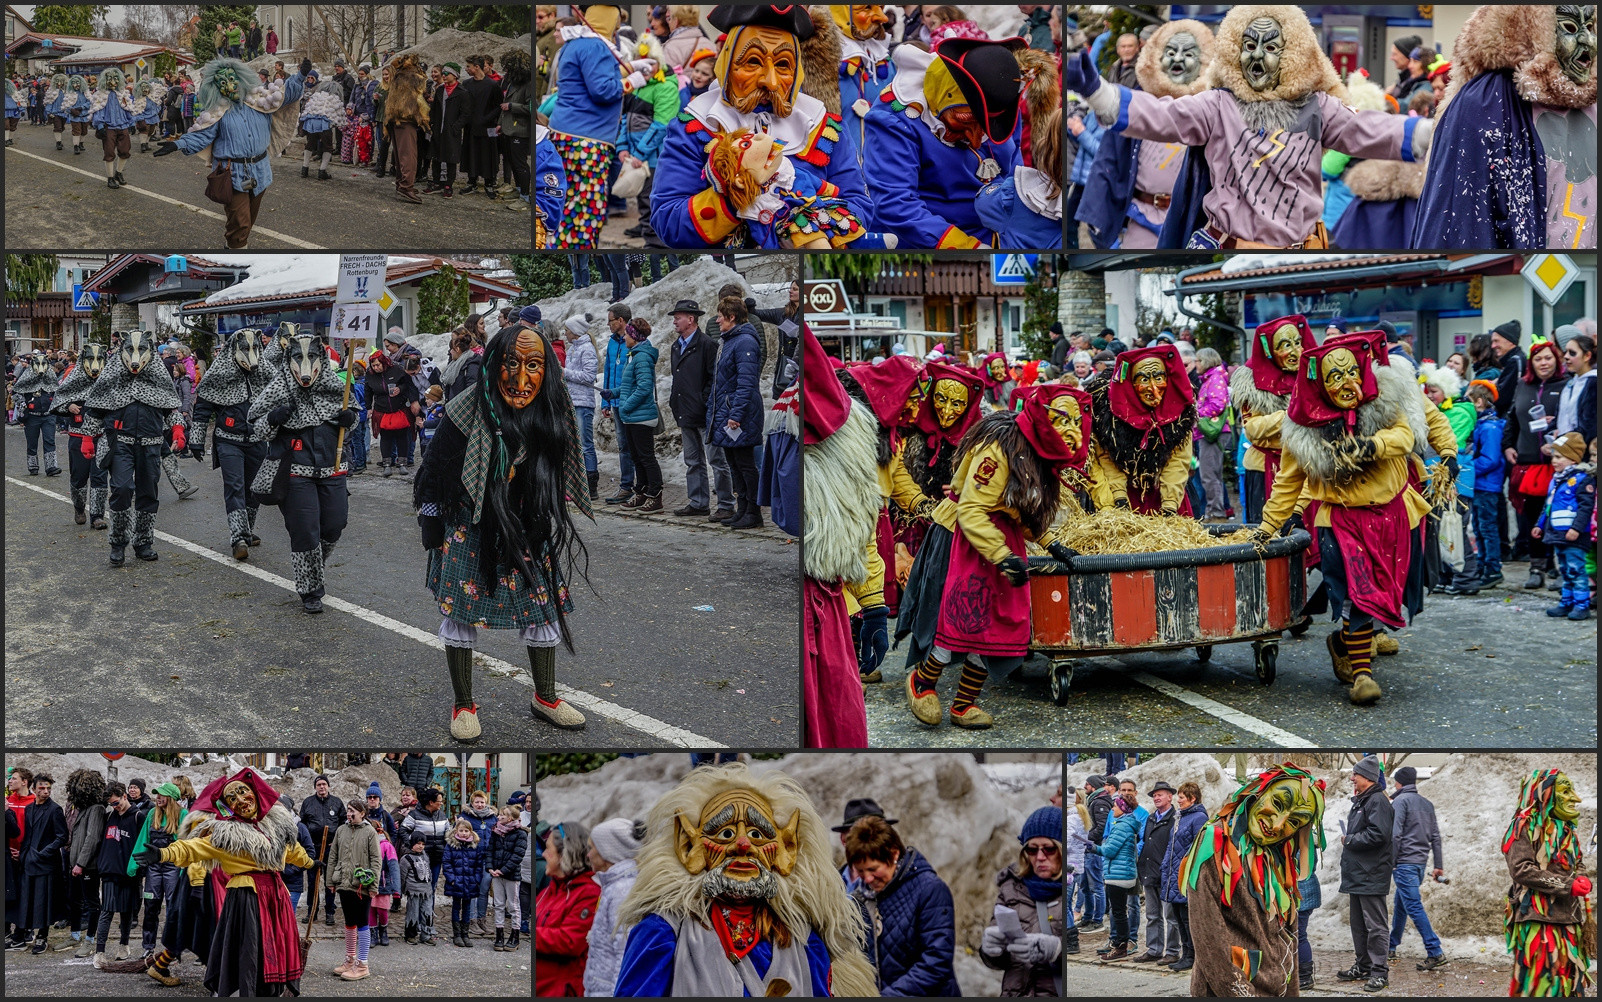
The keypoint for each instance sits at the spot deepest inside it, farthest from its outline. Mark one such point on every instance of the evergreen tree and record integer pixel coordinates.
(68, 19)
(443, 299)
(542, 276)
(510, 20)
(212, 15)
(27, 275)
(1040, 311)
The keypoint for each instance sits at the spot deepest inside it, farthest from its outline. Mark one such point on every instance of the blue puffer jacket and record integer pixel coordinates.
(1191, 821)
(1119, 847)
(1486, 444)
(913, 953)
(482, 823)
(636, 391)
(464, 865)
(737, 390)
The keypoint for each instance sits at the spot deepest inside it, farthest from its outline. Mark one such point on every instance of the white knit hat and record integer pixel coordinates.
(617, 839)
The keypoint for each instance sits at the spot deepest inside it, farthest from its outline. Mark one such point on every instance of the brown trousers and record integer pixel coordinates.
(79, 128)
(242, 209)
(115, 144)
(405, 140)
(58, 123)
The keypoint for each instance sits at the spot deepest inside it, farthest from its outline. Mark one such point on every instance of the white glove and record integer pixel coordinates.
(1035, 948)
(994, 943)
(646, 66)
(1423, 133)
(634, 81)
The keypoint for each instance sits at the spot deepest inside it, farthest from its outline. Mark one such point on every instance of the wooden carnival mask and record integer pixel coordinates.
(737, 838)
(1576, 41)
(1261, 45)
(1287, 347)
(523, 370)
(764, 69)
(93, 360)
(920, 389)
(1284, 807)
(1065, 417)
(1565, 801)
(1342, 379)
(998, 370)
(137, 350)
(1150, 379)
(241, 799)
(247, 349)
(950, 401)
(1181, 58)
(306, 358)
(861, 21)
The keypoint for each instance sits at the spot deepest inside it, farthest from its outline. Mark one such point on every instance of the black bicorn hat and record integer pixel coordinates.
(792, 18)
(988, 75)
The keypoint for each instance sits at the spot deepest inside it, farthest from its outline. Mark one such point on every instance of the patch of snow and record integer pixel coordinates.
(285, 274)
(1242, 263)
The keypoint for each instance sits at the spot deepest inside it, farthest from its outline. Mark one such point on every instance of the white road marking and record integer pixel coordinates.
(659, 729)
(197, 210)
(1245, 721)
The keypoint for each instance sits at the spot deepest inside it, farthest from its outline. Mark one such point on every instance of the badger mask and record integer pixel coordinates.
(137, 350)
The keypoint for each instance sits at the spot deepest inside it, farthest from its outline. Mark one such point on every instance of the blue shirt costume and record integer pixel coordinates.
(241, 133)
(550, 182)
(112, 114)
(865, 71)
(75, 106)
(589, 89)
(647, 967)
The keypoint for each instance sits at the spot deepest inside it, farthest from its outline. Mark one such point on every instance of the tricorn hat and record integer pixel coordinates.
(987, 73)
(792, 18)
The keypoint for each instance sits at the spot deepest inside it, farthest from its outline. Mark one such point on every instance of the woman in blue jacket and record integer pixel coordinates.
(1117, 849)
(635, 398)
(734, 414)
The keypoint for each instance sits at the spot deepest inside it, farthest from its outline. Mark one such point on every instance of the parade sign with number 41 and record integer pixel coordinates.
(354, 320)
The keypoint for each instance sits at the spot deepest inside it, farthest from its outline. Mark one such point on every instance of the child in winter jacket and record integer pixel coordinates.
(1485, 448)
(389, 886)
(464, 861)
(1565, 523)
(417, 883)
(508, 845)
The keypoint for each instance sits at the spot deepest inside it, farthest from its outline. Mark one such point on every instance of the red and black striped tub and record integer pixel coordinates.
(1172, 599)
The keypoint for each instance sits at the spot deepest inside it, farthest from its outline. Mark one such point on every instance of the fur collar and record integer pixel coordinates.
(1122, 441)
(31, 382)
(1385, 180)
(1148, 65)
(1245, 395)
(116, 387)
(1398, 397)
(820, 59)
(842, 500)
(226, 384)
(73, 390)
(309, 406)
(98, 100)
(1521, 38)
(1303, 67)
(264, 842)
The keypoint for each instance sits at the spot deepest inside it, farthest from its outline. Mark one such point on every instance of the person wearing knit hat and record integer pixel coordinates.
(1366, 864)
(449, 115)
(529, 315)
(1032, 887)
(1565, 523)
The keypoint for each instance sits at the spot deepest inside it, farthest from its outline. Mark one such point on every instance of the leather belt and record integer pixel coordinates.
(1159, 201)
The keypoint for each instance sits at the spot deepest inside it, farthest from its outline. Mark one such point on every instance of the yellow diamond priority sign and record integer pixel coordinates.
(1550, 275)
(386, 302)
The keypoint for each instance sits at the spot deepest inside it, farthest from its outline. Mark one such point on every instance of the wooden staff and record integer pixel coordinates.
(350, 374)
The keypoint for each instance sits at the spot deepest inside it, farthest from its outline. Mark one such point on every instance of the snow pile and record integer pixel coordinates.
(450, 45)
(946, 806)
(1238, 264)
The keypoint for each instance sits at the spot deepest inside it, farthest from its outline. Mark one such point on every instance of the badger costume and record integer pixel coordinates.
(13, 111)
(1011, 471)
(1132, 180)
(1549, 920)
(34, 391)
(55, 96)
(737, 895)
(317, 118)
(1518, 128)
(1259, 391)
(490, 501)
(75, 109)
(147, 99)
(939, 133)
(1240, 877)
(111, 112)
(88, 477)
(1025, 209)
(241, 122)
(1368, 202)
(236, 377)
(845, 564)
(1273, 108)
(696, 204)
(1144, 410)
(302, 418)
(852, 56)
(249, 836)
(1347, 440)
(128, 412)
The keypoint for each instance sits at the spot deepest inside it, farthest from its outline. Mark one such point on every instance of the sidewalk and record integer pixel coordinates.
(674, 496)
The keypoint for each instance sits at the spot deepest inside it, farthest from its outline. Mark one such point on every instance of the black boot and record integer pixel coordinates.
(383, 935)
(511, 942)
(322, 175)
(595, 485)
(144, 534)
(467, 935)
(1070, 942)
(1304, 976)
(456, 934)
(500, 940)
(120, 178)
(305, 171)
(59, 147)
(749, 517)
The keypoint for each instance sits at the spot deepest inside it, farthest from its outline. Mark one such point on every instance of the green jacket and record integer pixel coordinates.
(354, 846)
(144, 830)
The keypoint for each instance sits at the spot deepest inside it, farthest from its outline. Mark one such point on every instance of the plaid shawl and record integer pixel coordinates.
(464, 412)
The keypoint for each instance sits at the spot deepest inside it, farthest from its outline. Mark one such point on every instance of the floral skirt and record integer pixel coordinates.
(465, 596)
(587, 162)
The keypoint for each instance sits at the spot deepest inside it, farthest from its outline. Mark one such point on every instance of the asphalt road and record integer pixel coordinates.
(51, 205)
(195, 650)
(1491, 671)
(398, 971)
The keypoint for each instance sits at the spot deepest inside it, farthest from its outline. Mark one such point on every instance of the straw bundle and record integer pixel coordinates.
(1119, 530)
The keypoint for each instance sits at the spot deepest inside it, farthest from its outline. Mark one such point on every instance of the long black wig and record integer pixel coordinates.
(525, 525)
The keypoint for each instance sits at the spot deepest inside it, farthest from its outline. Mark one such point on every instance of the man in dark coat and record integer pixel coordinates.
(479, 148)
(693, 360)
(1510, 360)
(1162, 929)
(44, 893)
(908, 910)
(1366, 874)
(448, 114)
(322, 810)
(735, 412)
(417, 771)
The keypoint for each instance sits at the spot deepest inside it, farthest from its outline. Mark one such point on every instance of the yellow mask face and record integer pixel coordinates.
(1288, 347)
(1065, 416)
(1151, 381)
(737, 838)
(241, 799)
(1342, 377)
(950, 401)
(1565, 801)
(920, 389)
(1285, 807)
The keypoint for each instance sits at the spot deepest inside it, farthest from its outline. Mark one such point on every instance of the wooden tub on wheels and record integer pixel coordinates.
(1169, 601)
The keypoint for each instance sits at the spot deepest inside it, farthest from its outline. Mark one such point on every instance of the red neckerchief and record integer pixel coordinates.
(736, 928)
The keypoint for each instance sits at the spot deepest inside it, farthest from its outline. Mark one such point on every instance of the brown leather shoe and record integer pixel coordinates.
(722, 515)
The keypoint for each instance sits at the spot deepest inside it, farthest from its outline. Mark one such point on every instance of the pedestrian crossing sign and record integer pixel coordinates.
(1013, 269)
(84, 300)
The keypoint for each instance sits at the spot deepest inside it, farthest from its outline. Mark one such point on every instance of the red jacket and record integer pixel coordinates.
(18, 805)
(563, 914)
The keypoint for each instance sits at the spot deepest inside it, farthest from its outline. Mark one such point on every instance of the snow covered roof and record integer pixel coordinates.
(299, 277)
(78, 50)
(1260, 272)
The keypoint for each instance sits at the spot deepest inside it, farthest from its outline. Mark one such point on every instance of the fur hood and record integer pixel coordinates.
(309, 406)
(1522, 38)
(1385, 180)
(820, 59)
(31, 381)
(226, 384)
(73, 390)
(404, 102)
(264, 842)
(842, 500)
(116, 387)
(1244, 394)
(1398, 397)
(1148, 65)
(1303, 67)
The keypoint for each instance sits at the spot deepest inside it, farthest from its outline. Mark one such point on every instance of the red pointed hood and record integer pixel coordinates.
(1266, 373)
